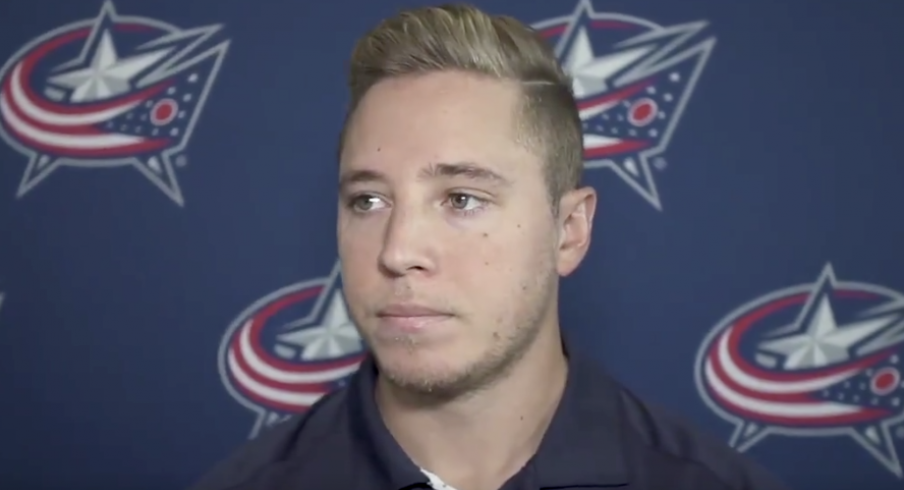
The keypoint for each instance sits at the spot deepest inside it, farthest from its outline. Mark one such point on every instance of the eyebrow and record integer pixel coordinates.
(469, 170)
(359, 176)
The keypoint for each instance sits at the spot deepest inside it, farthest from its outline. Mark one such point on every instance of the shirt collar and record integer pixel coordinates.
(582, 446)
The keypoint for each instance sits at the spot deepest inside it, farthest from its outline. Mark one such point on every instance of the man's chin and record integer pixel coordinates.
(420, 372)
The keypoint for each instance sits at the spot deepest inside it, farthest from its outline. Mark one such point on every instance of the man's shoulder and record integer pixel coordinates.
(659, 439)
(274, 445)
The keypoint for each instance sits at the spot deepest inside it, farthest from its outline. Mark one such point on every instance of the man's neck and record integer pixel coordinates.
(481, 441)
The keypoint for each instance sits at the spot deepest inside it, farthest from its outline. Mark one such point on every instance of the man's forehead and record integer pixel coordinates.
(461, 133)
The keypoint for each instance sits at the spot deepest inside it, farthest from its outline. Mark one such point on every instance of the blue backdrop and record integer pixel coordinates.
(167, 203)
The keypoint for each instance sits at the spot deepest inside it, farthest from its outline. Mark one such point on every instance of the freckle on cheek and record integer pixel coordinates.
(486, 235)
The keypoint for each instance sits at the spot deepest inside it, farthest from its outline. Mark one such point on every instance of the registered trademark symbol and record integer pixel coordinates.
(660, 163)
(180, 161)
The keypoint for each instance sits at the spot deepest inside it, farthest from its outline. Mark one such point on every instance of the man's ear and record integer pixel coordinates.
(576, 210)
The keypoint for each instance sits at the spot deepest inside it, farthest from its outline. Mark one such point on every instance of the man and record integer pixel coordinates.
(460, 207)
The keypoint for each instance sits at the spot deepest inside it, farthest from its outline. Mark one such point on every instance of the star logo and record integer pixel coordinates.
(632, 79)
(289, 349)
(107, 92)
(334, 336)
(813, 360)
(818, 340)
(107, 76)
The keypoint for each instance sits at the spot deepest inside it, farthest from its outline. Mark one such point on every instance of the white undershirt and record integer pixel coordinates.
(436, 482)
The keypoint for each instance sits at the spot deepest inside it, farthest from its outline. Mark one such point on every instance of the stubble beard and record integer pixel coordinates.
(524, 328)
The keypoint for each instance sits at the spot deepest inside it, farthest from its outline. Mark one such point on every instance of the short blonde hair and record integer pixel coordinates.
(462, 37)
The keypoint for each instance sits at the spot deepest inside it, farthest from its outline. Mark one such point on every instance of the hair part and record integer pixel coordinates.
(461, 37)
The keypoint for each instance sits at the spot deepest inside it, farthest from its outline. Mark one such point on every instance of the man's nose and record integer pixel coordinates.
(408, 242)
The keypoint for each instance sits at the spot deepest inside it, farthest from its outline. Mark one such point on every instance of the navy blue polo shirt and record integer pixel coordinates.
(601, 436)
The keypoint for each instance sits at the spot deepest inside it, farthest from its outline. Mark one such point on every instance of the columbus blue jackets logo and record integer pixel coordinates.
(820, 359)
(632, 80)
(108, 92)
(290, 348)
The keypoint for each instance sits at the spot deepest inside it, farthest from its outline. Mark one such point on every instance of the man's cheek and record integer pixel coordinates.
(495, 258)
(359, 242)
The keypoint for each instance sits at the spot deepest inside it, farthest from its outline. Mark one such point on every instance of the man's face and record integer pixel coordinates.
(446, 237)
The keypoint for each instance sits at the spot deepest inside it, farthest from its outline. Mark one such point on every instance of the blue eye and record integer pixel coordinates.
(364, 202)
(465, 203)
(460, 201)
